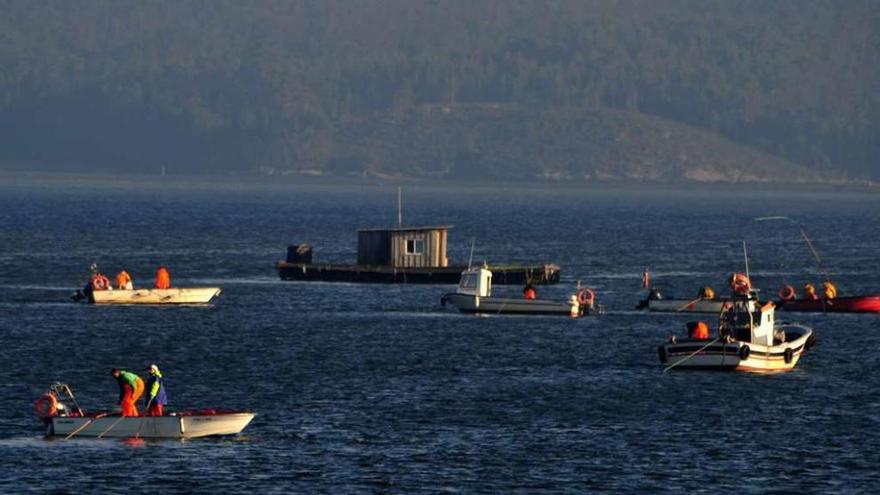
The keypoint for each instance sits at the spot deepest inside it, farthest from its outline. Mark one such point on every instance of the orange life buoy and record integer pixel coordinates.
(46, 406)
(787, 293)
(586, 297)
(100, 282)
(740, 283)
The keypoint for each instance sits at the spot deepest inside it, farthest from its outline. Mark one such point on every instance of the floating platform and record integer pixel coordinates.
(502, 275)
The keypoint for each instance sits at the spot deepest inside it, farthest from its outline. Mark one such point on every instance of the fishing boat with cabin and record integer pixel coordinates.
(747, 339)
(474, 295)
(63, 417)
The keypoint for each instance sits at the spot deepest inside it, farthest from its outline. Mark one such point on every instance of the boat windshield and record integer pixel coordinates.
(469, 281)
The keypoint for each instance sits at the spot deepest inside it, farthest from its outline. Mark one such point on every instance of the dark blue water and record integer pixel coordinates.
(379, 389)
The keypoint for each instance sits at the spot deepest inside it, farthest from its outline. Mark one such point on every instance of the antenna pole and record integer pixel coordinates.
(399, 209)
(471, 259)
(815, 254)
(746, 256)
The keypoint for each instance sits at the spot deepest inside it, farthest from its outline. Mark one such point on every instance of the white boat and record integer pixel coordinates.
(181, 424)
(183, 295)
(747, 339)
(59, 410)
(474, 295)
(682, 305)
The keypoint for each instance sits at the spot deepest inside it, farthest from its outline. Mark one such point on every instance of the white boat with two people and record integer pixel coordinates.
(747, 339)
(704, 303)
(474, 295)
(59, 410)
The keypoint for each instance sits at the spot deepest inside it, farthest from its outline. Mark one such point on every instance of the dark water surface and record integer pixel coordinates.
(378, 389)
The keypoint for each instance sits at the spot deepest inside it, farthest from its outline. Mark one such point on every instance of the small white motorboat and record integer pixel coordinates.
(682, 305)
(64, 418)
(183, 295)
(747, 339)
(474, 295)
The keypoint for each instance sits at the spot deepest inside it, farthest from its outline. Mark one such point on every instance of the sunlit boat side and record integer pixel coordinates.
(747, 340)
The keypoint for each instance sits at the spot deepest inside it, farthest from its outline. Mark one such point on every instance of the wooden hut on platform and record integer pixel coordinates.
(403, 255)
(404, 247)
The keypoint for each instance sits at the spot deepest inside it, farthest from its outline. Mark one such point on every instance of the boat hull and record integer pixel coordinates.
(512, 275)
(191, 295)
(855, 304)
(183, 425)
(500, 305)
(731, 356)
(684, 305)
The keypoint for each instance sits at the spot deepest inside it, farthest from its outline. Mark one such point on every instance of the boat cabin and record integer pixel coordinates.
(476, 282)
(404, 247)
(747, 322)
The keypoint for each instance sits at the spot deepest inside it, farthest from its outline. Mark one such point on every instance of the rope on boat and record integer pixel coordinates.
(701, 349)
(83, 427)
(688, 304)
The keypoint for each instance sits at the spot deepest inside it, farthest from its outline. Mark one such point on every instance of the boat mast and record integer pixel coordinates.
(815, 254)
(399, 209)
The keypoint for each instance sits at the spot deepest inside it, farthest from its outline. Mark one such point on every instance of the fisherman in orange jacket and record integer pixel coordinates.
(123, 281)
(163, 278)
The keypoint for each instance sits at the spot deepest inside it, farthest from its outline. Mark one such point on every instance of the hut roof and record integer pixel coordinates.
(406, 229)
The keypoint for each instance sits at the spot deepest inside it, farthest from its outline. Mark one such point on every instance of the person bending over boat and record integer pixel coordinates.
(529, 291)
(130, 389)
(707, 293)
(155, 396)
(810, 292)
(163, 278)
(123, 281)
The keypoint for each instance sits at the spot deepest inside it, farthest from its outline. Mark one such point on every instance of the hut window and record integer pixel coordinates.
(415, 246)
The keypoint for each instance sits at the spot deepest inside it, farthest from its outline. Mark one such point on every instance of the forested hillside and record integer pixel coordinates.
(453, 89)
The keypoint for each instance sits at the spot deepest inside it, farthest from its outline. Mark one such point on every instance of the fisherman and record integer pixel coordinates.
(123, 281)
(810, 292)
(529, 291)
(131, 387)
(155, 396)
(707, 293)
(163, 278)
(698, 330)
(829, 290)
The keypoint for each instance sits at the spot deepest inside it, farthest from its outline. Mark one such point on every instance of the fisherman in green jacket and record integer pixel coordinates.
(155, 396)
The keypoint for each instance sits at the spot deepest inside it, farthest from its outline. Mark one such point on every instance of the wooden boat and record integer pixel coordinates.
(854, 304)
(474, 295)
(58, 409)
(747, 339)
(182, 295)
